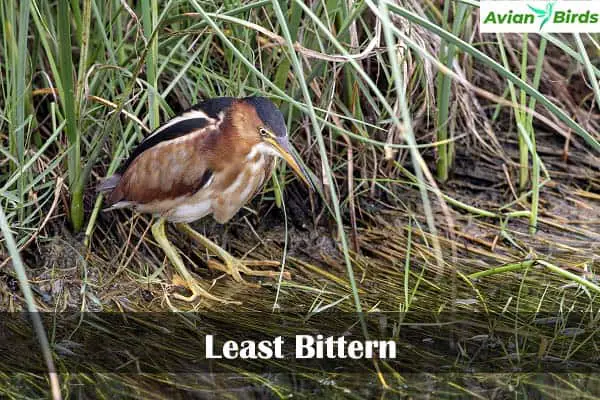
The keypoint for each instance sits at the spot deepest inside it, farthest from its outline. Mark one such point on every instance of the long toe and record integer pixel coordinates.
(239, 267)
(271, 274)
(199, 292)
(231, 265)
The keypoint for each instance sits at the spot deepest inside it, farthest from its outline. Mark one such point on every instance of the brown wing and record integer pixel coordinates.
(167, 170)
(169, 163)
(194, 118)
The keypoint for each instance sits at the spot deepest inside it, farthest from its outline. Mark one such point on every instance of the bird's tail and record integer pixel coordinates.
(108, 184)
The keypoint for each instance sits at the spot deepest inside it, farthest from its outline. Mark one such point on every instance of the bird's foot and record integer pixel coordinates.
(236, 267)
(231, 265)
(197, 292)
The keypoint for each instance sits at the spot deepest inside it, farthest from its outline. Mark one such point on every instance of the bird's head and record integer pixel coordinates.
(264, 128)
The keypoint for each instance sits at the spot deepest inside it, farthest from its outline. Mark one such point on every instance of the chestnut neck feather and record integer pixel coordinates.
(229, 146)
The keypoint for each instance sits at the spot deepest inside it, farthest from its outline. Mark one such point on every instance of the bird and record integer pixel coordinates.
(210, 159)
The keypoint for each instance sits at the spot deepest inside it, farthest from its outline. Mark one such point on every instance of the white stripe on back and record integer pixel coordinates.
(192, 114)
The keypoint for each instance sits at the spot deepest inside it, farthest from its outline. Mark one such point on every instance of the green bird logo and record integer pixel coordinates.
(544, 14)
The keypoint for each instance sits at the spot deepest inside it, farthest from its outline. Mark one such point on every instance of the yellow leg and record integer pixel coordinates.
(158, 231)
(233, 266)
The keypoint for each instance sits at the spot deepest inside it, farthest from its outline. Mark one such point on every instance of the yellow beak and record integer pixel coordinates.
(282, 145)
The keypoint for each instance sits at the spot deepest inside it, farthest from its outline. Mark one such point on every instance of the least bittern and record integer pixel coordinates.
(210, 159)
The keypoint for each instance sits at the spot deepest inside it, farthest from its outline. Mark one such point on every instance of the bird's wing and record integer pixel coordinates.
(175, 128)
(196, 117)
(168, 164)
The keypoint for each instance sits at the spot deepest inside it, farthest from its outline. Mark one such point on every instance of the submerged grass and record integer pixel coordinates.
(380, 97)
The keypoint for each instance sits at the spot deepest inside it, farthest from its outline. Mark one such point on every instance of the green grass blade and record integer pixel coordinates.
(149, 18)
(535, 171)
(29, 300)
(20, 95)
(67, 98)
(448, 50)
(588, 68)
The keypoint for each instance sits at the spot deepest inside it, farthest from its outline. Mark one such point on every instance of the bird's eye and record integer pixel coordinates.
(263, 132)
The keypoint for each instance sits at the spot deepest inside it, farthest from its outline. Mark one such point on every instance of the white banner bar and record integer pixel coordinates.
(537, 16)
